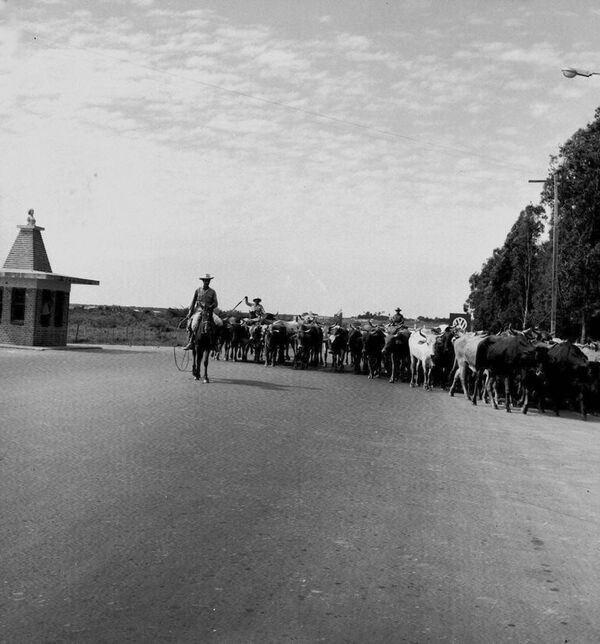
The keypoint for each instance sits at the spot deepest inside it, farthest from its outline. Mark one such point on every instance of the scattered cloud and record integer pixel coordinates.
(156, 117)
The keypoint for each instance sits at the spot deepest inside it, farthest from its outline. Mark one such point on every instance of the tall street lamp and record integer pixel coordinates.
(555, 222)
(571, 72)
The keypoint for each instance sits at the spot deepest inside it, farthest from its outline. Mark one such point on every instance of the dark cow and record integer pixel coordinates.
(302, 352)
(510, 359)
(309, 343)
(337, 346)
(275, 343)
(373, 343)
(444, 357)
(256, 341)
(318, 348)
(355, 348)
(567, 377)
(396, 355)
(240, 341)
(224, 343)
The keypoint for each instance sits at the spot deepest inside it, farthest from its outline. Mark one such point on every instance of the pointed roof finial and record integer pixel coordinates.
(30, 218)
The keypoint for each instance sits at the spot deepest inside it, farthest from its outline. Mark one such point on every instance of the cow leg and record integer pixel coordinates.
(491, 389)
(453, 385)
(582, 407)
(476, 387)
(507, 392)
(462, 374)
(413, 371)
(525, 403)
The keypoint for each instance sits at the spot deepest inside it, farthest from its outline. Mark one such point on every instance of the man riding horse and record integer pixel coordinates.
(203, 302)
(397, 318)
(257, 310)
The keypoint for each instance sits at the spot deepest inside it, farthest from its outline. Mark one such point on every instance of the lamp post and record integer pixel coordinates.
(554, 286)
(571, 72)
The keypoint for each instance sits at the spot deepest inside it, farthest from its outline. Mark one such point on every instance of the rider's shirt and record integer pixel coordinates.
(204, 298)
(257, 310)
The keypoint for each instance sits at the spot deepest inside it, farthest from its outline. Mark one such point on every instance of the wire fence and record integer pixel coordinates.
(127, 335)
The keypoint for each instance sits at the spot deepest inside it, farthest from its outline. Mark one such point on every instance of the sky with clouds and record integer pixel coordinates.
(318, 154)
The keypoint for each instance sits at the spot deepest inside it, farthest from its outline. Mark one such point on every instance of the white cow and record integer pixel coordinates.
(421, 345)
(465, 353)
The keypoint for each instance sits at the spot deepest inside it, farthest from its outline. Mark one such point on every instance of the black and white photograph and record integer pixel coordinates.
(299, 321)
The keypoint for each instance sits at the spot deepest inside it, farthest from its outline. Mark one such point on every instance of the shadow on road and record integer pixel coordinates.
(259, 383)
(102, 350)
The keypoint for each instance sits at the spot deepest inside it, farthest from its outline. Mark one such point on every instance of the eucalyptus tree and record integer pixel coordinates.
(578, 168)
(502, 294)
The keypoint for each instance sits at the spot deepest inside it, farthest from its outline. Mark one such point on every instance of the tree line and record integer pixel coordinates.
(513, 287)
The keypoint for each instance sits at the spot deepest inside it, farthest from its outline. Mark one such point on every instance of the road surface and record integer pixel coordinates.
(274, 505)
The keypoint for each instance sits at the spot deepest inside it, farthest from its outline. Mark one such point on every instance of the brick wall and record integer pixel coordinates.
(30, 332)
(21, 333)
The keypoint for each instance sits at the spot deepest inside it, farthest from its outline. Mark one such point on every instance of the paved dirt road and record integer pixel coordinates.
(275, 505)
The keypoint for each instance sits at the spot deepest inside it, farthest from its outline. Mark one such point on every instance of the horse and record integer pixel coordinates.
(204, 342)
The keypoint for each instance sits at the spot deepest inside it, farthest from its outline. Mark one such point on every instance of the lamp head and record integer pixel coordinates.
(569, 72)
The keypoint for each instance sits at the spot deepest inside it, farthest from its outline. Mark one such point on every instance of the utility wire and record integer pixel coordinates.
(450, 150)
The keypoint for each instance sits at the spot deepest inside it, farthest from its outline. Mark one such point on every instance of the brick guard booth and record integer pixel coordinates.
(34, 301)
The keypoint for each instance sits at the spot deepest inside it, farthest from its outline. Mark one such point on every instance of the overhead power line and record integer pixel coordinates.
(446, 149)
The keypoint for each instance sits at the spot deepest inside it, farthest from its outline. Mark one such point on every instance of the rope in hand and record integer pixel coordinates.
(185, 360)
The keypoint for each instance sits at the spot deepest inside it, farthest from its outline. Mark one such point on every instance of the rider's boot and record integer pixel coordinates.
(190, 344)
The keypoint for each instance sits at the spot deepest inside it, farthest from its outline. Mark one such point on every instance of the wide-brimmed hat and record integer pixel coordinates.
(208, 276)
(398, 309)
(257, 300)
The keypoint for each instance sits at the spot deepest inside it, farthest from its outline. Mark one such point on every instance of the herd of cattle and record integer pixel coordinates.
(522, 368)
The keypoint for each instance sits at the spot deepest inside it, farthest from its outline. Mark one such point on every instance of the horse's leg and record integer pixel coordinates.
(205, 356)
(195, 362)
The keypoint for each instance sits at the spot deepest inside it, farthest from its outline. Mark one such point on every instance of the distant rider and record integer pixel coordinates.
(257, 310)
(205, 299)
(397, 319)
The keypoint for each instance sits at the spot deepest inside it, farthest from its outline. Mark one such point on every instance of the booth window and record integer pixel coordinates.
(59, 308)
(17, 306)
(46, 312)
